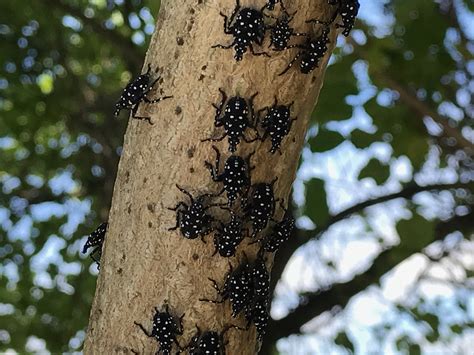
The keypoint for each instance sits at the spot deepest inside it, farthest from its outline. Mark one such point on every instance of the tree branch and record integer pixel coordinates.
(313, 304)
(300, 237)
(419, 107)
(423, 110)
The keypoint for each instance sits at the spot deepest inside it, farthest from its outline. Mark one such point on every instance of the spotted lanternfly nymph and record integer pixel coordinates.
(135, 93)
(348, 9)
(280, 232)
(281, 31)
(260, 278)
(210, 342)
(237, 288)
(270, 5)
(235, 177)
(276, 123)
(259, 313)
(237, 116)
(248, 27)
(96, 240)
(229, 236)
(310, 52)
(192, 219)
(165, 329)
(261, 206)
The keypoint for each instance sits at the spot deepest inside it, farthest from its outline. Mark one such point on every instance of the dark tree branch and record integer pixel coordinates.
(130, 53)
(423, 110)
(300, 237)
(313, 304)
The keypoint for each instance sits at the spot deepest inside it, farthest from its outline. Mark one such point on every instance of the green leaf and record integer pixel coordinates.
(362, 139)
(316, 207)
(456, 329)
(325, 140)
(415, 232)
(469, 4)
(397, 126)
(431, 319)
(339, 83)
(343, 340)
(414, 349)
(376, 170)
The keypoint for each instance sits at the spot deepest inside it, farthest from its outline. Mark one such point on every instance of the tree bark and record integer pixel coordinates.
(143, 264)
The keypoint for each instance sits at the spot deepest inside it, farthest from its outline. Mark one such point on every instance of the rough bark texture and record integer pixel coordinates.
(143, 264)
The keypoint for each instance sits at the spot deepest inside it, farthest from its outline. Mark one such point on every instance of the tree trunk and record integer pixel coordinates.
(143, 264)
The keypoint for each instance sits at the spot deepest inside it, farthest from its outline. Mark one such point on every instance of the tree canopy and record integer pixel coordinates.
(382, 257)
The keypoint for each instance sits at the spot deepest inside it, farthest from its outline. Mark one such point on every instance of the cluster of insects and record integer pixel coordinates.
(247, 288)
(248, 26)
(249, 206)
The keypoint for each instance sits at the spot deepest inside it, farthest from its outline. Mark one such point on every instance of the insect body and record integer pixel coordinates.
(257, 310)
(237, 288)
(260, 278)
(165, 329)
(280, 233)
(348, 9)
(248, 27)
(270, 5)
(281, 32)
(136, 92)
(206, 343)
(96, 240)
(237, 116)
(258, 313)
(311, 53)
(209, 343)
(261, 207)
(192, 219)
(229, 236)
(277, 124)
(235, 177)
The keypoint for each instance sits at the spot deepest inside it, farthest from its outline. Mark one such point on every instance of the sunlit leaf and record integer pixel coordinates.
(376, 170)
(325, 140)
(316, 207)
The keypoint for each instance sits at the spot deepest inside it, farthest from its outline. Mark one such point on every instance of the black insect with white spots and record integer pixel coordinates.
(277, 124)
(237, 116)
(165, 329)
(260, 278)
(280, 232)
(281, 31)
(192, 219)
(261, 206)
(247, 26)
(210, 342)
(96, 240)
(348, 9)
(311, 52)
(136, 92)
(229, 236)
(237, 288)
(270, 5)
(258, 313)
(235, 177)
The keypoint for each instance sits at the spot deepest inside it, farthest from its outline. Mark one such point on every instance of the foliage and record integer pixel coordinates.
(64, 63)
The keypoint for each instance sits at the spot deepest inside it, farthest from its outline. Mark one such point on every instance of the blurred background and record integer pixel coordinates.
(383, 258)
